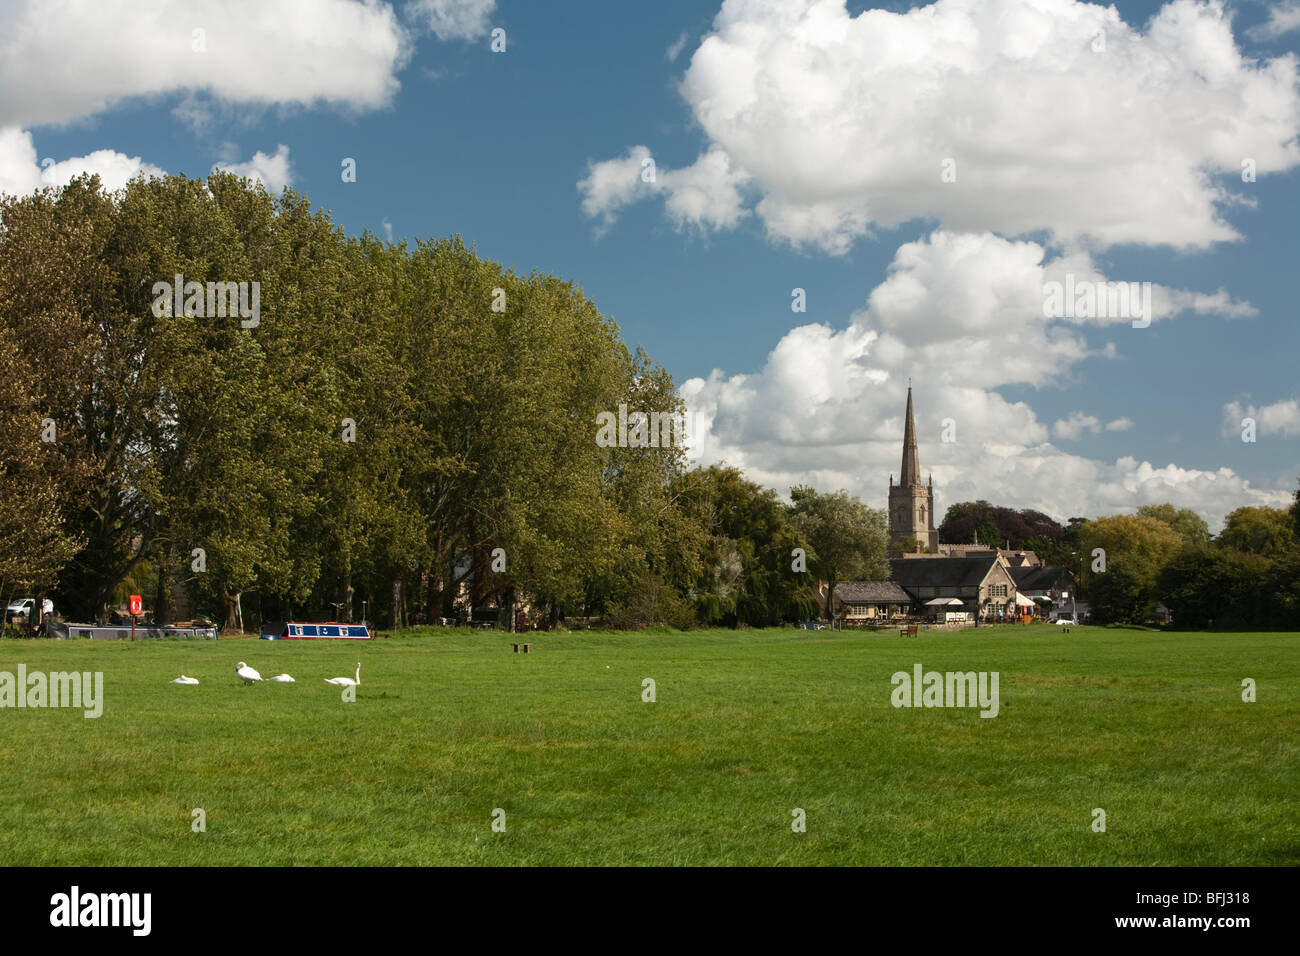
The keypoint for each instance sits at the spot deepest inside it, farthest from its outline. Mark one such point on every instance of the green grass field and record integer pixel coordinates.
(746, 727)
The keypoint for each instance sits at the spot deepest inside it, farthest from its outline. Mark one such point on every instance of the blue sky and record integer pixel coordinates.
(495, 147)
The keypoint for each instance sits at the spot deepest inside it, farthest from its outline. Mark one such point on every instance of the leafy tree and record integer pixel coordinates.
(845, 539)
(34, 546)
(967, 521)
(1189, 525)
(1188, 587)
(1223, 589)
(1148, 539)
(1264, 531)
(747, 576)
(997, 526)
(1125, 594)
(82, 323)
(1138, 546)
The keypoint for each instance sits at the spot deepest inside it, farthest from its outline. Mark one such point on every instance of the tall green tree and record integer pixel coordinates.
(997, 526)
(1190, 526)
(34, 545)
(1124, 555)
(1264, 531)
(845, 539)
(747, 575)
(83, 323)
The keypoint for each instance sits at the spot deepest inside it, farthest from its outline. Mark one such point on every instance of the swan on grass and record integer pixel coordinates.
(247, 673)
(281, 679)
(185, 680)
(346, 681)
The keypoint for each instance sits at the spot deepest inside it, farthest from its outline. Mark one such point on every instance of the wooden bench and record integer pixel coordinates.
(910, 631)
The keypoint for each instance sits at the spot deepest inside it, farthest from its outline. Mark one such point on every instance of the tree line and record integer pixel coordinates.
(399, 422)
(1246, 577)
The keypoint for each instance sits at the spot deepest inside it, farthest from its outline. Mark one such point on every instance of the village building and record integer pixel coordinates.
(946, 583)
(870, 602)
(957, 589)
(1051, 588)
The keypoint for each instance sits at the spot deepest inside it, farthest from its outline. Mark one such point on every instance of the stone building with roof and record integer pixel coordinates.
(1050, 587)
(861, 602)
(982, 584)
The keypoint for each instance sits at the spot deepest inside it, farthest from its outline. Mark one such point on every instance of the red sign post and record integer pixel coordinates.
(137, 608)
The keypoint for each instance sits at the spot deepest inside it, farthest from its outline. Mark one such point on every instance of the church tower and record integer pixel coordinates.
(911, 504)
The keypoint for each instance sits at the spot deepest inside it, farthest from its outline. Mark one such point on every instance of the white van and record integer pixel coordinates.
(21, 609)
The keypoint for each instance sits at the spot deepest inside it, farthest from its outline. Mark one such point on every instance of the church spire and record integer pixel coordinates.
(911, 472)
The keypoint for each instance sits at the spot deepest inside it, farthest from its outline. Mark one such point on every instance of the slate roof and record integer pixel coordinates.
(910, 573)
(871, 592)
(1042, 578)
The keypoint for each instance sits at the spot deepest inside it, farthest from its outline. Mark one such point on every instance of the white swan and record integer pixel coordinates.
(346, 681)
(282, 679)
(185, 680)
(247, 673)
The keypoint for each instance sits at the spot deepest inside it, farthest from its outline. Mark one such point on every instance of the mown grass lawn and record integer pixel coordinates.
(746, 727)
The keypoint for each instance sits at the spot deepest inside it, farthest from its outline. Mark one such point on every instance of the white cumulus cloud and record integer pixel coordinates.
(62, 62)
(20, 173)
(1281, 418)
(274, 172)
(705, 194)
(845, 122)
(1073, 427)
(1282, 18)
(68, 60)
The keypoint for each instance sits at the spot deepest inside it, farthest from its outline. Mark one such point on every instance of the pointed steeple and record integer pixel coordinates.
(910, 476)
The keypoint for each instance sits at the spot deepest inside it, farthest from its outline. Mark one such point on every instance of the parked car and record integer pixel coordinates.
(1067, 620)
(21, 609)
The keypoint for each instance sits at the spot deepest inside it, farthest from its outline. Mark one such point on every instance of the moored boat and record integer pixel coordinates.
(119, 632)
(310, 631)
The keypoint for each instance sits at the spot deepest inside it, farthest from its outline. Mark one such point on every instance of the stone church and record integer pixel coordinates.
(911, 504)
(944, 583)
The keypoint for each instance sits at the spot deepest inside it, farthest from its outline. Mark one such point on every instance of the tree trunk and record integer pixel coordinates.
(234, 613)
(347, 591)
(433, 592)
(397, 602)
(479, 584)
(162, 609)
